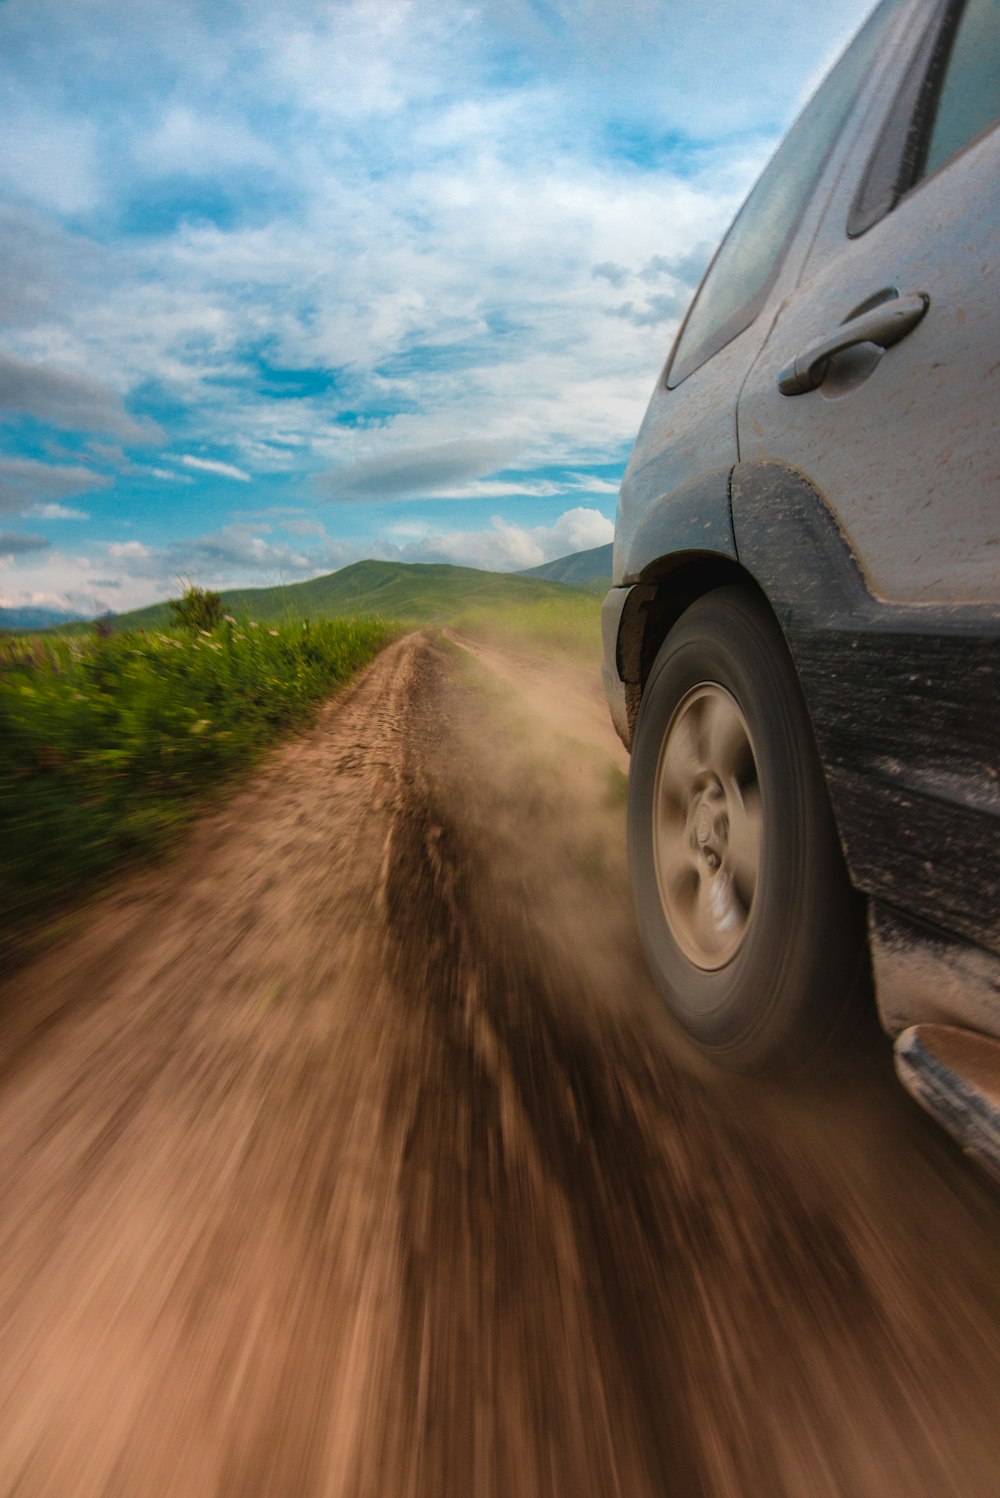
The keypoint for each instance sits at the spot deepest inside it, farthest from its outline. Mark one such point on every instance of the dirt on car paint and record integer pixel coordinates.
(350, 1153)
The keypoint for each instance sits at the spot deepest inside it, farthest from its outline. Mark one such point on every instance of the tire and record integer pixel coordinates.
(754, 936)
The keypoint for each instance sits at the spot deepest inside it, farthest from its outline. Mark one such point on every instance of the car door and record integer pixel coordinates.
(901, 441)
(872, 411)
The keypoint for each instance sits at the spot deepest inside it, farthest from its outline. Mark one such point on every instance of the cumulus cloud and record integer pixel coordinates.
(210, 465)
(67, 399)
(128, 551)
(507, 547)
(579, 529)
(26, 482)
(58, 512)
(231, 555)
(405, 473)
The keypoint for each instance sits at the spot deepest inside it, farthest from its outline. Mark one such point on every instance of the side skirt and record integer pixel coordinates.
(955, 1075)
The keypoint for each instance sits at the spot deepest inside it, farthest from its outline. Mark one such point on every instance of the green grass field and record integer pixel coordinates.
(569, 623)
(106, 745)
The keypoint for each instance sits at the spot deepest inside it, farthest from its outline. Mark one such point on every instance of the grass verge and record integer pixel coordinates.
(569, 625)
(106, 745)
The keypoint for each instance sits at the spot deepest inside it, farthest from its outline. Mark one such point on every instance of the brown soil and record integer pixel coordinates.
(350, 1154)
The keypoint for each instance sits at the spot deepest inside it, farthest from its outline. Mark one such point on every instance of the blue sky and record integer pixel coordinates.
(291, 285)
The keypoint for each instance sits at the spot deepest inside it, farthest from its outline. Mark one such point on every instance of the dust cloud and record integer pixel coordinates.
(350, 1153)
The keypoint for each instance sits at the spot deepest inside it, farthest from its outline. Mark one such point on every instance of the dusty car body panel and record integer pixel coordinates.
(903, 702)
(694, 517)
(893, 438)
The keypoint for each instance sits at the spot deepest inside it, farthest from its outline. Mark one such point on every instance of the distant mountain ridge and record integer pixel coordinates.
(35, 618)
(581, 569)
(418, 592)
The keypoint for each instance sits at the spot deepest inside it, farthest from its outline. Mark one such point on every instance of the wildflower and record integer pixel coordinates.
(229, 618)
(273, 632)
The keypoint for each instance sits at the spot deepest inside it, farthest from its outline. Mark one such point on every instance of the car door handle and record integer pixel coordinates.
(883, 325)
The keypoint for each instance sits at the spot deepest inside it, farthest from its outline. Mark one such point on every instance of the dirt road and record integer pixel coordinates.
(349, 1154)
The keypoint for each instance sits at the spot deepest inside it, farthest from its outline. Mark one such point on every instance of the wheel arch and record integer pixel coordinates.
(666, 588)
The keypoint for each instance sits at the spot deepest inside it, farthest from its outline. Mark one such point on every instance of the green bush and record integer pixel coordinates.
(197, 608)
(107, 743)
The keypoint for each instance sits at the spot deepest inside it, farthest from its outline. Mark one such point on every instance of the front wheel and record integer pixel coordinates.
(752, 931)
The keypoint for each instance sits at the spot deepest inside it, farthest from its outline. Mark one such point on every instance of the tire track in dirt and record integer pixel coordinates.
(348, 1154)
(736, 1332)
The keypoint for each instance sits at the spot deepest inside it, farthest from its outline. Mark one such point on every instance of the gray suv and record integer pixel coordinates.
(802, 643)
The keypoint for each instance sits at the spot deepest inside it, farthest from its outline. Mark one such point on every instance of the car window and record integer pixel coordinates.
(950, 93)
(745, 266)
(969, 98)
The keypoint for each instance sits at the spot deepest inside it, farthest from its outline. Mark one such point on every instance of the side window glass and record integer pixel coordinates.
(969, 98)
(949, 94)
(744, 268)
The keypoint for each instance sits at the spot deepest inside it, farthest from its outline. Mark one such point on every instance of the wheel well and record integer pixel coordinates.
(679, 582)
(669, 586)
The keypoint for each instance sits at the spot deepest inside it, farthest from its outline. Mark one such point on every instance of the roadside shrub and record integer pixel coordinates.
(197, 608)
(106, 744)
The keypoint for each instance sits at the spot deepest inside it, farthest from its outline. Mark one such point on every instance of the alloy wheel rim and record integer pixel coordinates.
(707, 826)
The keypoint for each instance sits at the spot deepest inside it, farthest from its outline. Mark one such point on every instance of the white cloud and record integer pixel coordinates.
(506, 547)
(189, 141)
(210, 465)
(57, 512)
(51, 159)
(406, 472)
(168, 475)
(594, 485)
(608, 270)
(53, 579)
(128, 551)
(232, 555)
(481, 223)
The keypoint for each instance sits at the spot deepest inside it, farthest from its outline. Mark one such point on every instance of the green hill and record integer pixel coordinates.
(581, 569)
(417, 592)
